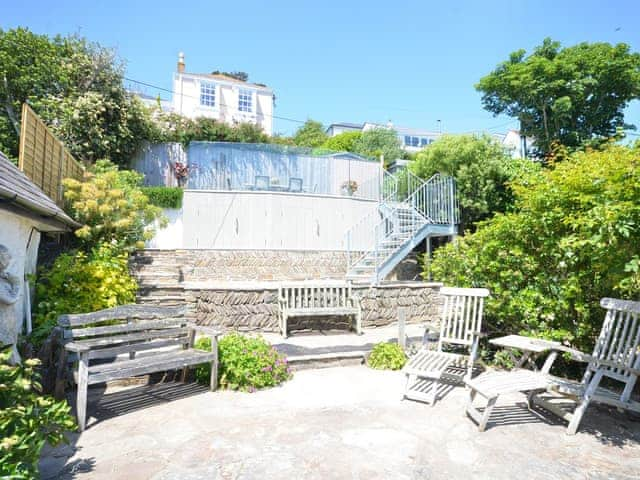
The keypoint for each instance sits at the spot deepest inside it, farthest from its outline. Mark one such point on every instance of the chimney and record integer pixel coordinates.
(181, 62)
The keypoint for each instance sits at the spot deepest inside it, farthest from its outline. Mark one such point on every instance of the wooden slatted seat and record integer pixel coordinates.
(138, 339)
(460, 325)
(318, 298)
(491, 385)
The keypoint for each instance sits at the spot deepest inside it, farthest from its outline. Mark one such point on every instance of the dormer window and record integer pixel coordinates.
(207, 94)
(245, 100)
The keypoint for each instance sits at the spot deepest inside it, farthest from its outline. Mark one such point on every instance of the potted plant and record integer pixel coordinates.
(349, 187)
(182, 172)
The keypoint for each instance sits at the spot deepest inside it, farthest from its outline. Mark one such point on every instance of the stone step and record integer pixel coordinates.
(326, 360)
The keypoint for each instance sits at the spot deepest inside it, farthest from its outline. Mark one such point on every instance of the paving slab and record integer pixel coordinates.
(335, 423)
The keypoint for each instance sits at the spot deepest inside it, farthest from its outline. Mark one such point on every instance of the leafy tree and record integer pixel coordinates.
(482, 170)
(571, 96)
(379, 141)
(76, 87)
(571, 240)
(311, 134)
(343, 142)
(112, 208)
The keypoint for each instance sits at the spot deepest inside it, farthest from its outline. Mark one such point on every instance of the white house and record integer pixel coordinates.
(25, 212)
(518, 145)
(222, 97)
(411, 139)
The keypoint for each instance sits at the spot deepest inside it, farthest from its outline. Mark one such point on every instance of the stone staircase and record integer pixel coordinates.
(159, 277)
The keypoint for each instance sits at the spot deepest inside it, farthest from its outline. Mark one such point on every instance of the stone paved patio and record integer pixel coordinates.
(342, 423)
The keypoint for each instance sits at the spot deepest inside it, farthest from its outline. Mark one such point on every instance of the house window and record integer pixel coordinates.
(407, 140)
(208, 94)
(244, 100)
(424, 142)
(415, 141)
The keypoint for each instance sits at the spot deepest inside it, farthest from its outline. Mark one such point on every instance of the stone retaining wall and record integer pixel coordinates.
(244, 308)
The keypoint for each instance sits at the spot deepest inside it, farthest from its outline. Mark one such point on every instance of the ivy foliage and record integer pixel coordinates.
(482, 169)
(164, 197)
(246, 363)
(571, 239)
(387, 356)
(112, 208)
(27, 419)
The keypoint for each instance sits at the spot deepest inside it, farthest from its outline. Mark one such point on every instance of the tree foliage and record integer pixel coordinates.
(571, 240)
(482, 169)
(572, 96)
(112, 208)
(76, 87)
(379, 141)
(311, 134)
(343, 142)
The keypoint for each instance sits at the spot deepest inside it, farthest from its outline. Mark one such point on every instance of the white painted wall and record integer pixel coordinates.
(264, 221)
(186, 101)
(170, 236)
(15, 231)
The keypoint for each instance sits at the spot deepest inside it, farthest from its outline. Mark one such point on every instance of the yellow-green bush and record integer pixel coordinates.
(78, 282)
(387, 356)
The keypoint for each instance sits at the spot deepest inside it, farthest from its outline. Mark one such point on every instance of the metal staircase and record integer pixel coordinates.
(410, 210)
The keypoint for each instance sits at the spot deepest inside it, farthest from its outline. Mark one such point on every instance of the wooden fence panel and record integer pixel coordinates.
(44, 158)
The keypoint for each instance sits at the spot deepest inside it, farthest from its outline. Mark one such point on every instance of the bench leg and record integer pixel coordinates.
(284, 326)
(213, 381)
(481, 418)
(487, 413)
(359, 322)
(407, 385)
(83, 381)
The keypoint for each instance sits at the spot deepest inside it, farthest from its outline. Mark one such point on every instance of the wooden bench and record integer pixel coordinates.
(306, 299)
(160, 335)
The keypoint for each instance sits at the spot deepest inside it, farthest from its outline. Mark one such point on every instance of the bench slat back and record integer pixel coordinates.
(128, 328)
(619, 339)
(461, 314)
(314, 296)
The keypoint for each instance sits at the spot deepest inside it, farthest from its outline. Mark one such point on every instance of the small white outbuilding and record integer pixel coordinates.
(25, 213)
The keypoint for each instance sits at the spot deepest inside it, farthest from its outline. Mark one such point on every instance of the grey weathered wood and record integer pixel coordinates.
(142, 312)
(161, 333)
(307, 299)
(124, 328)
(460, 324)
(83, 384)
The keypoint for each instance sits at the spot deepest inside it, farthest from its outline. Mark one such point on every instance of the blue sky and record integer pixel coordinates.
(410, 62)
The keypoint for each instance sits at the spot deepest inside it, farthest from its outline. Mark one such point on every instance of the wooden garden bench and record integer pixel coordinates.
(160, 335)
(305, 299)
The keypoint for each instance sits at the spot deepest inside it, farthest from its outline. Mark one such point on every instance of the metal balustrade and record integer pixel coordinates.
(410, 209)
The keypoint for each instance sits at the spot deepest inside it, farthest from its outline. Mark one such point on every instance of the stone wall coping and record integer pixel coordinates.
(236, 250)
(274, 284)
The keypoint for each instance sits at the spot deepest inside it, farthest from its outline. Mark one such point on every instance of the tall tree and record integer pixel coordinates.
(311, 134)
(482, 169)
(379, 141)
(571, 96)
(76, 86)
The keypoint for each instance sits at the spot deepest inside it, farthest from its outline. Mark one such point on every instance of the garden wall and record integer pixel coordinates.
(255, 307)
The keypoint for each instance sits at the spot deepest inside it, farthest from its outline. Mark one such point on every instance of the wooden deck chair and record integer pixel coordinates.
(460, 325)
(616, 357)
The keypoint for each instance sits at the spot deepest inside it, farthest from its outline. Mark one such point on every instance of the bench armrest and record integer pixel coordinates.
(579, 356)
(479, 334)
(205, 329)
(432, 327)
(76, 347)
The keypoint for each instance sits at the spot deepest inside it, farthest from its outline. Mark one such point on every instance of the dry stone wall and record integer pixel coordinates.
(248, 310)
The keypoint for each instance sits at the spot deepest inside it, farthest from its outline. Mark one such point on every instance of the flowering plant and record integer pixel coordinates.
(246, 363)
(181, 170)
(350, 185)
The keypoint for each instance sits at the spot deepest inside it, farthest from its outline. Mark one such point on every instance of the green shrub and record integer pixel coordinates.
(164, 197)
(387, 356)
(78, 283)
(571, 240)
(27, 420)
(112, 208)
(246, 363)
